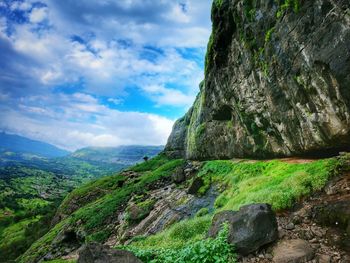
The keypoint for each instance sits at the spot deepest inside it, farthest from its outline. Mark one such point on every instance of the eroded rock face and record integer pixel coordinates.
(277, 82)
(249, 228)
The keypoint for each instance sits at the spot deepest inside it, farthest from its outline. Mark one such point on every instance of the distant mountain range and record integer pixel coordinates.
(17, 148)
(19, 144)
(127, 155)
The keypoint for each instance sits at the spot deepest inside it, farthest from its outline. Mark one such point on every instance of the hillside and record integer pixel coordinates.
(33, 186)
(18, 144)
(276, 86)
(159, 210)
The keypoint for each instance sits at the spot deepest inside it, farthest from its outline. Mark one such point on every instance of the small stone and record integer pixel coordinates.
(290, 226)
(314, 240)
(324, 259)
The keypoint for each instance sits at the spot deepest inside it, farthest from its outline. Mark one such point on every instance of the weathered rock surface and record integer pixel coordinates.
(293, 251)
(276, 83)
(195, 186)
(96, 253)
(249, 228)
(171, 205)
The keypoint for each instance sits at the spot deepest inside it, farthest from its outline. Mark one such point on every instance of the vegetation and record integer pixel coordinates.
(33, 187)
(216, 250)
(94, 214)
(278, 183)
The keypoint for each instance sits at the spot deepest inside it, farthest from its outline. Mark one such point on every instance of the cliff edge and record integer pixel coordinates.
(277, 82)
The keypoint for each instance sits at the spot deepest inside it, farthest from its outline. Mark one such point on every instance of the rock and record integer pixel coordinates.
(195, 186)
(97, 253)
(290, 226)
(324, 259)
(274, 86)
(178, 176)
(336, 214)
(293, 251)
(249, 228)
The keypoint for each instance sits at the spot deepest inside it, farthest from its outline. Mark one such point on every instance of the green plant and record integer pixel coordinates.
(202, 212)
(209, 250)
(268, 34)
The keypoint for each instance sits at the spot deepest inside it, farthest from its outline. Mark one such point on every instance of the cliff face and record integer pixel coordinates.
(277, 82)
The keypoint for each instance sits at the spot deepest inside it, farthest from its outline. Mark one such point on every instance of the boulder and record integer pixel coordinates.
(195, 186)
(179, 175)
(97, 253)
(293, 251)
(336, 214)
(249, 228)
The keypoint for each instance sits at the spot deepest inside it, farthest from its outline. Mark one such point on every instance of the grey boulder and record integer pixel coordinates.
(249, 228)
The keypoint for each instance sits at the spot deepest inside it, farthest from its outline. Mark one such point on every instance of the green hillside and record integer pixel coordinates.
(278, 182)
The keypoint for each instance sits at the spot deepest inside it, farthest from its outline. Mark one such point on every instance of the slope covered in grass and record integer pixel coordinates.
(278, 183)
(241, 182)
(95, 214)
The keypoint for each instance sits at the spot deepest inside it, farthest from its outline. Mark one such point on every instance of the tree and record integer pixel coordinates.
(145, 158)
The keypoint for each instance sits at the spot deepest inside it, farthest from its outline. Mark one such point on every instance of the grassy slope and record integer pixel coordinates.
(279, 183)
(101, 208)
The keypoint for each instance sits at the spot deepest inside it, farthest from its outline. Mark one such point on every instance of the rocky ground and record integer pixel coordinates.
(316, 230)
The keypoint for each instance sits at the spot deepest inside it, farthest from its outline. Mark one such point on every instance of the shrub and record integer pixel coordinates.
(202, 212)
(210, 250)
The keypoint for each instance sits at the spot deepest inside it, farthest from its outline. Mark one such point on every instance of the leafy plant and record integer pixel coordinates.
(209, 250)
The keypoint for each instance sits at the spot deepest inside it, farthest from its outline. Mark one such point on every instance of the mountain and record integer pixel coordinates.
(127, 155)
(277, 80)
(276, 84)
(18, 144)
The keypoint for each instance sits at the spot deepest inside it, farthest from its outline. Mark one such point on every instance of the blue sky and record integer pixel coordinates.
(99, 72)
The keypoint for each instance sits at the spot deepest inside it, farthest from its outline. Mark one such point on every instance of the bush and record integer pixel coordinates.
(202, 212)
(210, 250)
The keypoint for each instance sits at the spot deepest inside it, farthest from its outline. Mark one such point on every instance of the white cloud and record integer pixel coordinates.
(38, 15)
(167, 96)
(70, 130)
(119, 44)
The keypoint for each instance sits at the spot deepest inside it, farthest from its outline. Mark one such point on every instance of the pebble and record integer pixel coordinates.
(290, 226)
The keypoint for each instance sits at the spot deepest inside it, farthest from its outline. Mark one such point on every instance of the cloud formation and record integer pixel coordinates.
(102, 72)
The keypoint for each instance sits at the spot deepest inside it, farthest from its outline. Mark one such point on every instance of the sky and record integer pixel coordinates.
(100, 72)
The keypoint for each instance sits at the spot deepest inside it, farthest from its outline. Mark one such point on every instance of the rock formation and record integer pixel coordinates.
(277, 82)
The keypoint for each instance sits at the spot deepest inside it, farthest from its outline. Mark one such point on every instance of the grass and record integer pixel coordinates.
(240, 182)
(209, 250)
(95, 214)
(276, 182)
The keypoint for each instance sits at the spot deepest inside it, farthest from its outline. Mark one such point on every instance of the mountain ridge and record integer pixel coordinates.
(20, 144)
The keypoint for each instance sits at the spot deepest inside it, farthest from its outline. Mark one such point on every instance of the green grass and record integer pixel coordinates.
(209, 250)
(94, 215)
(240, 182)
(279, 183)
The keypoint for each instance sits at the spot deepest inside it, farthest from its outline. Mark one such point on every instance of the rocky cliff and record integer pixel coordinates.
(277, 82)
